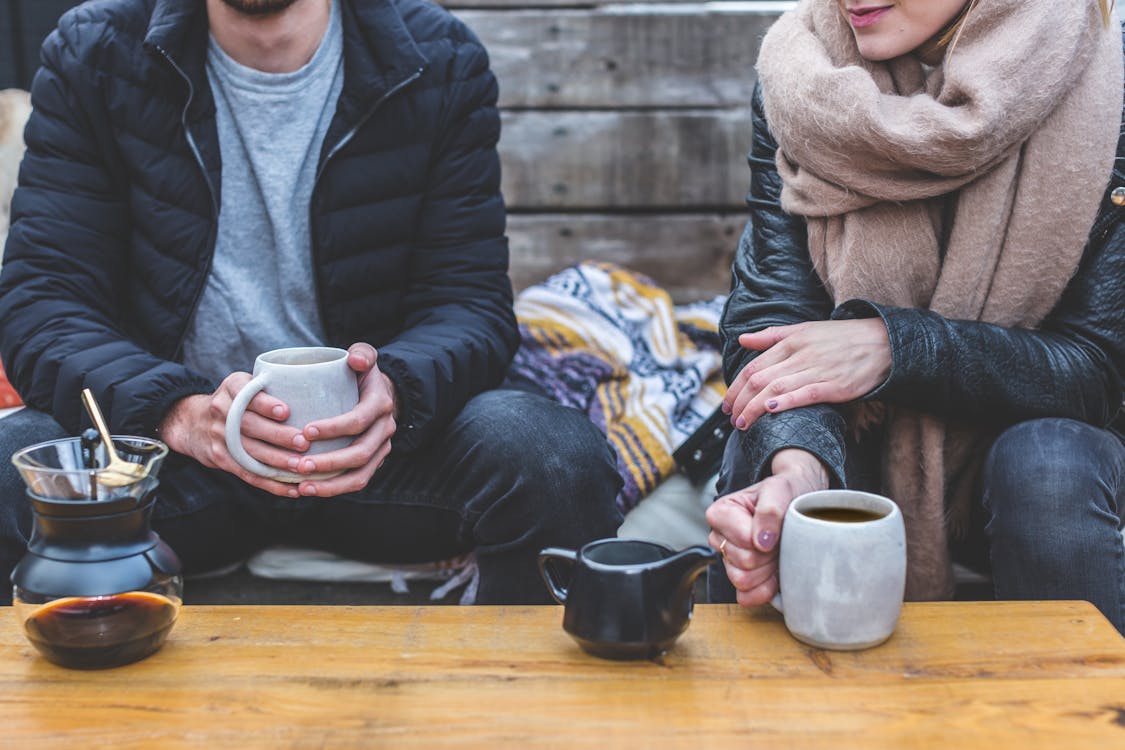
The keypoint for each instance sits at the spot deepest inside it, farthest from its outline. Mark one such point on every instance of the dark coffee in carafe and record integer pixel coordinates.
(101, 631)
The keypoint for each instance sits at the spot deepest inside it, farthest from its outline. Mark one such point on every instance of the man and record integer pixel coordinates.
(206, 180)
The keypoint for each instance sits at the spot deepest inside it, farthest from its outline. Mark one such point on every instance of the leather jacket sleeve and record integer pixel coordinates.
(1070, 366)
(772, 284)
(969, 371)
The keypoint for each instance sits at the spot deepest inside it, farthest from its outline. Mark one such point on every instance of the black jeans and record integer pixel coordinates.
(513, 473)
(1050, 517)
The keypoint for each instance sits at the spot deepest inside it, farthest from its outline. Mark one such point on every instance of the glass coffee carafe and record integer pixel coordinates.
(97, 587)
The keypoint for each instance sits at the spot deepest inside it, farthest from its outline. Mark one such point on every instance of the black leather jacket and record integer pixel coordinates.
(962, 371)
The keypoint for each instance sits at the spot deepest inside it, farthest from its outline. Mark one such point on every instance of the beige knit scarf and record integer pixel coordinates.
(999, 157)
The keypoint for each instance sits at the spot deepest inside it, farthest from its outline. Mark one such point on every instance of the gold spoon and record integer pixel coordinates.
(118, 472)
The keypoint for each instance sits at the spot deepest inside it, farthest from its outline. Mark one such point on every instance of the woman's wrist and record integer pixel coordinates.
(804, 470)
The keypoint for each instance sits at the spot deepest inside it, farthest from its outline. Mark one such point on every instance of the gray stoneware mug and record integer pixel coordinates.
(315, 382)
(842, 569)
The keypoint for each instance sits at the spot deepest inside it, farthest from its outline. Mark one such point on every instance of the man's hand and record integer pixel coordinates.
(746, 525)
(196, 427)
(372, 421)
(822, 362)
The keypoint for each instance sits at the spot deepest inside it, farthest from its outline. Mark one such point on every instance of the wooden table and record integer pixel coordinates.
(954, 676)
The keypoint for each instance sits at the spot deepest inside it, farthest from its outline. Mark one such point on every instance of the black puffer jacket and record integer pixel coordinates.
(114, 220)
(962, 371)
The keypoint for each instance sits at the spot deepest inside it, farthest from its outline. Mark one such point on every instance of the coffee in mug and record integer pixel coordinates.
(842, 570)
(315, 382)
(843, 515)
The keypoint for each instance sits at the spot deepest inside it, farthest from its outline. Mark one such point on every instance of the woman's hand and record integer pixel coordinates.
(822, 362)
(372, 422)
(196, 426)
(746, 525)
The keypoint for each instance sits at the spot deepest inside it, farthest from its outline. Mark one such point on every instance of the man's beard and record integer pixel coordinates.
(259, 7)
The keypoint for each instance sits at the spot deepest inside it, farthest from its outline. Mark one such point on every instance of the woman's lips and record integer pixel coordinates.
(861, 17)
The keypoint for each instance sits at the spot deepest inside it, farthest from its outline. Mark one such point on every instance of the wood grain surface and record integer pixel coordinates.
(689, 255)
(954, 675)
(625, 132)
(624, 57)
(675, 161)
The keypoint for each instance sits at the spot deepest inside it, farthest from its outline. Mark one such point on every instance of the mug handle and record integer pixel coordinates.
(547, 556)
(234, 428)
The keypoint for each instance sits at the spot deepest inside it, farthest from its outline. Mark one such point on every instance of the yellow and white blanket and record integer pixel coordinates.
(609, 342)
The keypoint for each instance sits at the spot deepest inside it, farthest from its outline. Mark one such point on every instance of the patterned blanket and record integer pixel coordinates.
(609, 342)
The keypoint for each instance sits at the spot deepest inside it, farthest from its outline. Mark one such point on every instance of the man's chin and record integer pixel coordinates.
(258, 7)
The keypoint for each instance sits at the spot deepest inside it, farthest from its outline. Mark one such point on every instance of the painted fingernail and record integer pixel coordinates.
(310, 465)
(766, 540)
(279, 411)
(314, 433)
(725, 407)
(771, 404)
(309, 489)
(740, 423)
(299, 442)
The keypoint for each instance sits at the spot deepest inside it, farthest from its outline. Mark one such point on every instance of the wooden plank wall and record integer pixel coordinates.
(24, 24)
(625, 130)
(625, 127)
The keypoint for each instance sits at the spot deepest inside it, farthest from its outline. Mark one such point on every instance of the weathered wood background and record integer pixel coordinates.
(625, 126)
(625, 131)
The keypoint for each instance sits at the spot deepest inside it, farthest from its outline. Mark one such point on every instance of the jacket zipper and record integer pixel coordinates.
(344, 140)
(211, 191)
(1105, 223)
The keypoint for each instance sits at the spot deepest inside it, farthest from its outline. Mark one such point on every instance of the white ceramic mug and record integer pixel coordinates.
(315, 382)
(842, 578)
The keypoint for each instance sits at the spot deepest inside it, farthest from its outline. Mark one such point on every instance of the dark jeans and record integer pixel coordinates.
(1052, 514)
(513, 473)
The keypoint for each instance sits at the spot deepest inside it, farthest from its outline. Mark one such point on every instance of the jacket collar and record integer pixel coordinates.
(379, 50)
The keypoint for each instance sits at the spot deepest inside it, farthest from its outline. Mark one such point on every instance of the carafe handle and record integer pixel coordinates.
(546, 557)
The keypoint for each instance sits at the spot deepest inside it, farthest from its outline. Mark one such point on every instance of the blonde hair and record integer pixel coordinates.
(949, 38)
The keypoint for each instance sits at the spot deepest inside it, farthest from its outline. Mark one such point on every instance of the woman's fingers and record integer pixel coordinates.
(777, 382)
(759, 595)
(730, 519)
(768, 337)
(748, 579)
(831, 361)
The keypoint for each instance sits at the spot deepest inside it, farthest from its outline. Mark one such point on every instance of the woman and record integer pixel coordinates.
(929, 301)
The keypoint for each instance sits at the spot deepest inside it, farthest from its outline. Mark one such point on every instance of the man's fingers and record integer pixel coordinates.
(275, 433)
(349, 481)
(362, 357)
(268, 406)
(271, 455)
(227, 463)
(375, 403)
(352, 456)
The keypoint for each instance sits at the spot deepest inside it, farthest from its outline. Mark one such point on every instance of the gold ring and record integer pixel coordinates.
(723, 548)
